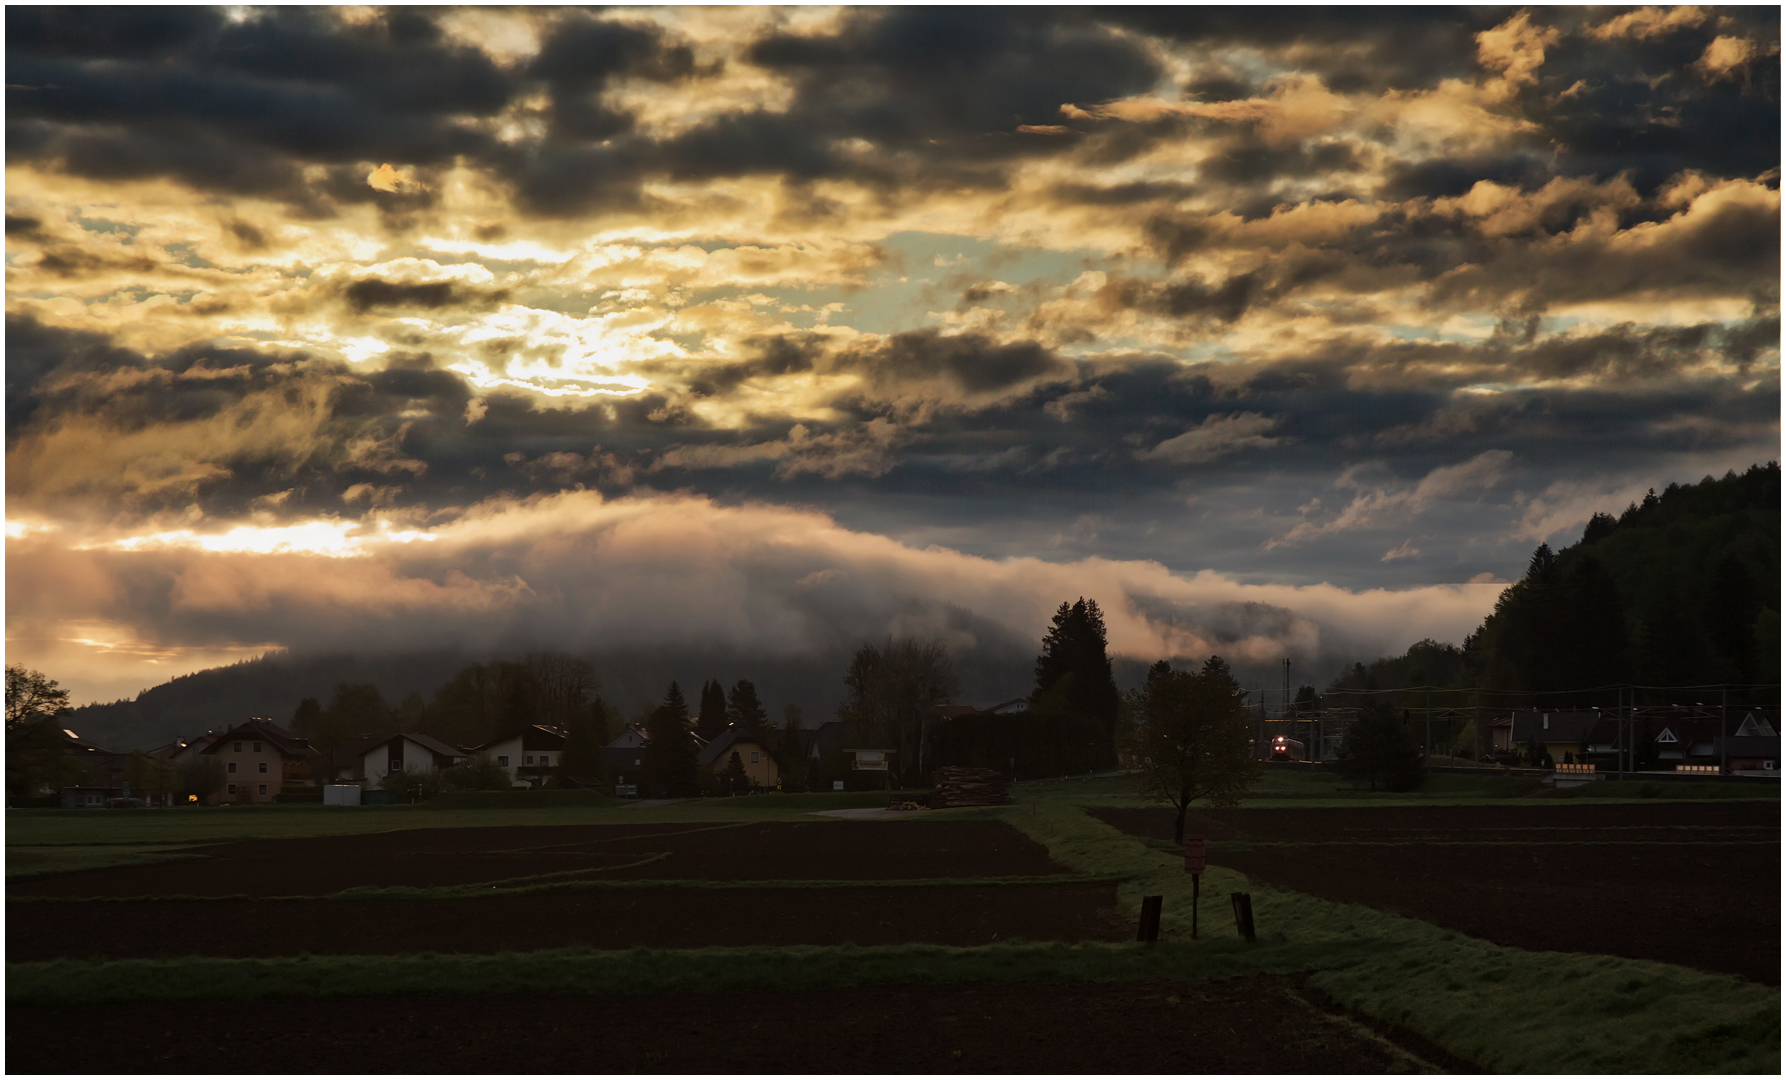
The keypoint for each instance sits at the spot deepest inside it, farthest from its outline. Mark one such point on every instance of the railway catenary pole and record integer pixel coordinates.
(1723, 729)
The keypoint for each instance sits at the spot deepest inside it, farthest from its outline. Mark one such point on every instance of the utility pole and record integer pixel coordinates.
(1723, 729)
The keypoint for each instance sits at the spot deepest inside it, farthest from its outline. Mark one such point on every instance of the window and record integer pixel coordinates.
(232, 766)
(238, 748)
(545, 759)
(232, 789)
(530, 759)
(753, 757)
(503, 761)
(263, 789)
(257, 748)
(263, 765)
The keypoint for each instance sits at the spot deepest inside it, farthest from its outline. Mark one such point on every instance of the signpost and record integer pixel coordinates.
(1193, 865)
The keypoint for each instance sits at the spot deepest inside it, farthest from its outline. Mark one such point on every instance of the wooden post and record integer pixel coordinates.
(1196, 890)
(1149, 930)
(1243, 914)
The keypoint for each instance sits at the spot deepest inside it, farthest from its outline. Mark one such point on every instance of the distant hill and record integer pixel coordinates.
(273, 685)
(1681, 589)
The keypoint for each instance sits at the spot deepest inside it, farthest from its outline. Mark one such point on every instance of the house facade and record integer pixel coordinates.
(260, 759)
(529, 755)
(370, 760)
(760, 764)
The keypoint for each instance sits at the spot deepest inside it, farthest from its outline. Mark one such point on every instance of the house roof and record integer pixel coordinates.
(1757, 723)
(1553, 727)
(350, 751)
(533, 737)
(729, 739)
(630, 739)
(287, 743)
(1761, 746)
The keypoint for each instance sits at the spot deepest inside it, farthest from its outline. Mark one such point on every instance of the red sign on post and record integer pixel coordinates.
(1193, 854)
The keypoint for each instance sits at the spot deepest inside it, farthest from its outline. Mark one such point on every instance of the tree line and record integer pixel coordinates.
(1681, 589)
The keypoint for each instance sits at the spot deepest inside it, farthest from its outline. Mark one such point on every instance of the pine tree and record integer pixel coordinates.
(713, 710)
(744, 709)
(670, 748)
(1073, 672)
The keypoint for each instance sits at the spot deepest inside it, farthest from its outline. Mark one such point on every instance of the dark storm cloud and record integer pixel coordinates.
(371, 293)
(1395, 48)
(242, 106)
(973, 362)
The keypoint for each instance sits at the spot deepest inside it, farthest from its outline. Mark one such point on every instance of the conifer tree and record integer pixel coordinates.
(1073, 672)
(713, 710)
(745, 709)
(670, 748)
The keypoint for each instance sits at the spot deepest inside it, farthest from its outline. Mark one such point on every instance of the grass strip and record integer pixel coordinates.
(1507, 1009)
(481, 891)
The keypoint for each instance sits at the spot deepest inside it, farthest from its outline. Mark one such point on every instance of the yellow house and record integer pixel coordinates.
(752, 750)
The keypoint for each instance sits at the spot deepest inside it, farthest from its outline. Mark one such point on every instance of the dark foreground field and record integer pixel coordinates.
(1251, 1025)
(1695, 884)
(47, 924)
(603, 919)
(758, 851)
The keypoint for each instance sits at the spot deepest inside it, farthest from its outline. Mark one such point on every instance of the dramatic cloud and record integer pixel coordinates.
(1375, 298)
(579, 572)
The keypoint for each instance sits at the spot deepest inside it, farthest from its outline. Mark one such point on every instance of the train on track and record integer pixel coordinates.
(1288, 749)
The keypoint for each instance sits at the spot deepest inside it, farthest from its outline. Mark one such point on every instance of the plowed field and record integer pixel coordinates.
(1696, 884)
(1262, 1025)
(318, 866)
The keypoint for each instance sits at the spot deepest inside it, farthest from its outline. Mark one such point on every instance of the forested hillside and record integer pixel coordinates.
(1681, 589)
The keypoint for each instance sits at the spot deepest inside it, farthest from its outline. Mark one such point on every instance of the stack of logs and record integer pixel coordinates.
(959, 786)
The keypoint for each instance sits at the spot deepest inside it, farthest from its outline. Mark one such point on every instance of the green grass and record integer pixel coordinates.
(1506, 1009)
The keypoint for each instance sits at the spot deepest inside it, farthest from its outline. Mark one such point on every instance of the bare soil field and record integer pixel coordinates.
(1251, 1025)
(760, 851)
(1695, 884)
(603, 919)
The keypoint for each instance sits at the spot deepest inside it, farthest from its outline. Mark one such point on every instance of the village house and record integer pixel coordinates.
(529, 755)
(1754, 747)
(761, 767)
(370, 759)
(260, 759)
(1564, 735)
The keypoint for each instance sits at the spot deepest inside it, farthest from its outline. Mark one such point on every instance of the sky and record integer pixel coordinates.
(1278, 332)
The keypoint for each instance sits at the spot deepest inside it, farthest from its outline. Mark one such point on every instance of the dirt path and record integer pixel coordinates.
(1261, 1025)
